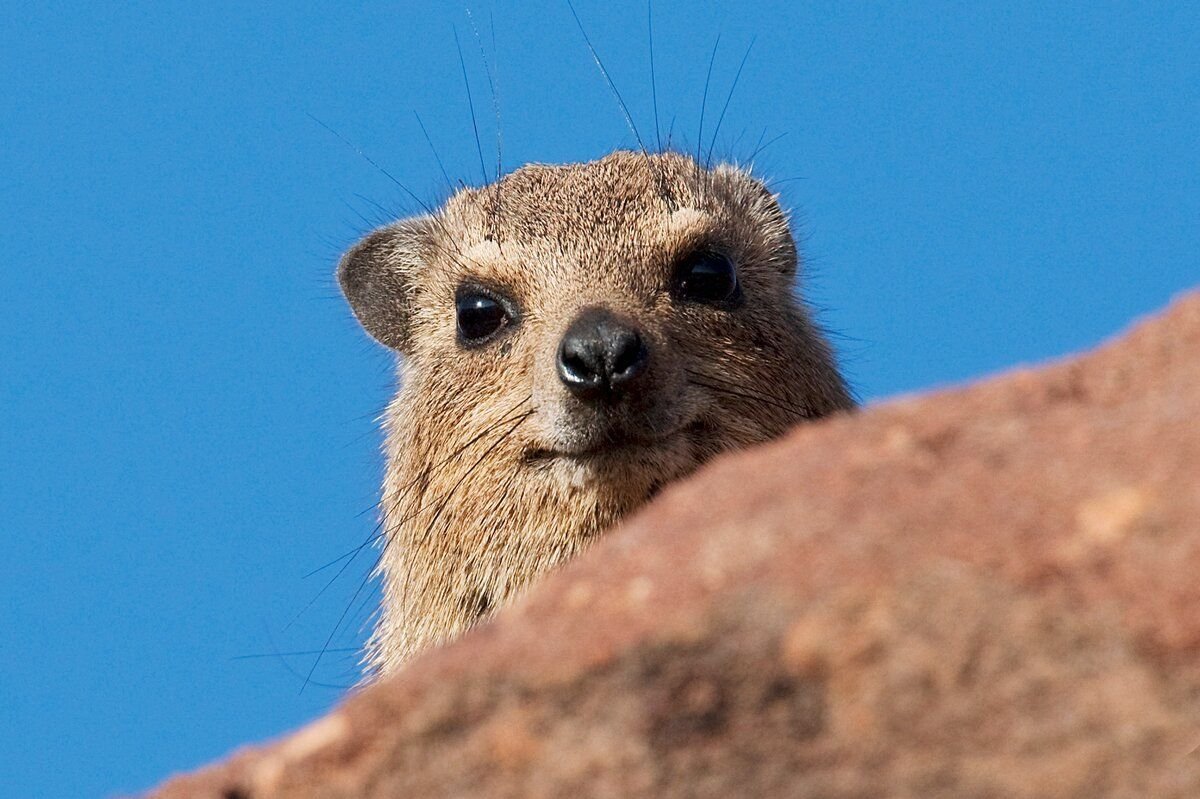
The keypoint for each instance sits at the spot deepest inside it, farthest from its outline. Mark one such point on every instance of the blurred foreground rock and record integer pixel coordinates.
(987, 592)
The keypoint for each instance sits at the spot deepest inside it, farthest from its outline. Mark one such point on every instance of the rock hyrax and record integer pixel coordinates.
(571, 338)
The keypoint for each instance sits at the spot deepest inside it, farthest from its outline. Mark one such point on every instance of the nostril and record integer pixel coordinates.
(629, 357)
(578, 369)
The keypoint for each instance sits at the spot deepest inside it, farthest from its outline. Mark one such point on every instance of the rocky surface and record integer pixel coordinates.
(986, 592)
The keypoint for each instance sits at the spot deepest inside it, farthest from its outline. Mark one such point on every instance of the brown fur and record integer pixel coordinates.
(479, 497)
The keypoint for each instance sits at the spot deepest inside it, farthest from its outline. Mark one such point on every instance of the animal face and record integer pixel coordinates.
(642, 305)
(573, 337)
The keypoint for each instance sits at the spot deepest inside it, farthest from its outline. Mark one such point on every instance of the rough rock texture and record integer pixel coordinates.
(988, 592)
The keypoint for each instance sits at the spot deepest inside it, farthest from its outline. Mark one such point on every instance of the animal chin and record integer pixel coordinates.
(616, 450)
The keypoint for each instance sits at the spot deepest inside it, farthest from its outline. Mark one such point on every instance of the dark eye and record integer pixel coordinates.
(708, 277)
(480, 316)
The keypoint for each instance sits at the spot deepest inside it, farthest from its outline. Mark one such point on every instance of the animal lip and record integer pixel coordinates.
(608, 447)
(613, 445)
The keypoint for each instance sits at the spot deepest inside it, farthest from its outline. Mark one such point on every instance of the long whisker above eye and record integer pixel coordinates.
(429, 210)
(653, 81)
(758, 148)
(703, 106)
(436, 156)
(458, 257)
(471, 104)
(493, 81)
(664, 191)
(724, 108)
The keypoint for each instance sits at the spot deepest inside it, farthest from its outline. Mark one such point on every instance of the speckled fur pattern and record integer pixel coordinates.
(481, 491)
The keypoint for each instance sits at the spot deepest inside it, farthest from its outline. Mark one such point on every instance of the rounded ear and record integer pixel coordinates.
(377, 277)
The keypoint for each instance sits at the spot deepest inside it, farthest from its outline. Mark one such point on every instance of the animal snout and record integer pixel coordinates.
(601, 355)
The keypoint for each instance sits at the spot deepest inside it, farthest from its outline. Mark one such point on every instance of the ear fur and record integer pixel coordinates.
(377, 277)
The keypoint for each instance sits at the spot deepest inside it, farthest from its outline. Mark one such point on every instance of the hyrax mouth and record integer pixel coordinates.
(621, 447)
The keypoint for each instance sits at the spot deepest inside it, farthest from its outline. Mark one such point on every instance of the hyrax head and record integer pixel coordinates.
(572, 337)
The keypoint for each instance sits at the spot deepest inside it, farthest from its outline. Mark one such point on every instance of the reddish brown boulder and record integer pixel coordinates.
(987, 592)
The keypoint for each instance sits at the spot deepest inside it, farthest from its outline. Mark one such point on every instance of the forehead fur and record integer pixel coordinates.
(624, 200)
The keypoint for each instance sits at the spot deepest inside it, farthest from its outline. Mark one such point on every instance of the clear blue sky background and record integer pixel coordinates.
(187, 404)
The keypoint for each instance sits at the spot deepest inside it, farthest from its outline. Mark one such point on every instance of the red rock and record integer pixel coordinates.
(985, 592)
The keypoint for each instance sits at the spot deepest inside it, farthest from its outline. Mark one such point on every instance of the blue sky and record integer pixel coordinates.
(187, 404)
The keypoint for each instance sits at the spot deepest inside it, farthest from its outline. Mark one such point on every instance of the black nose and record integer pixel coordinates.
(601, 355)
